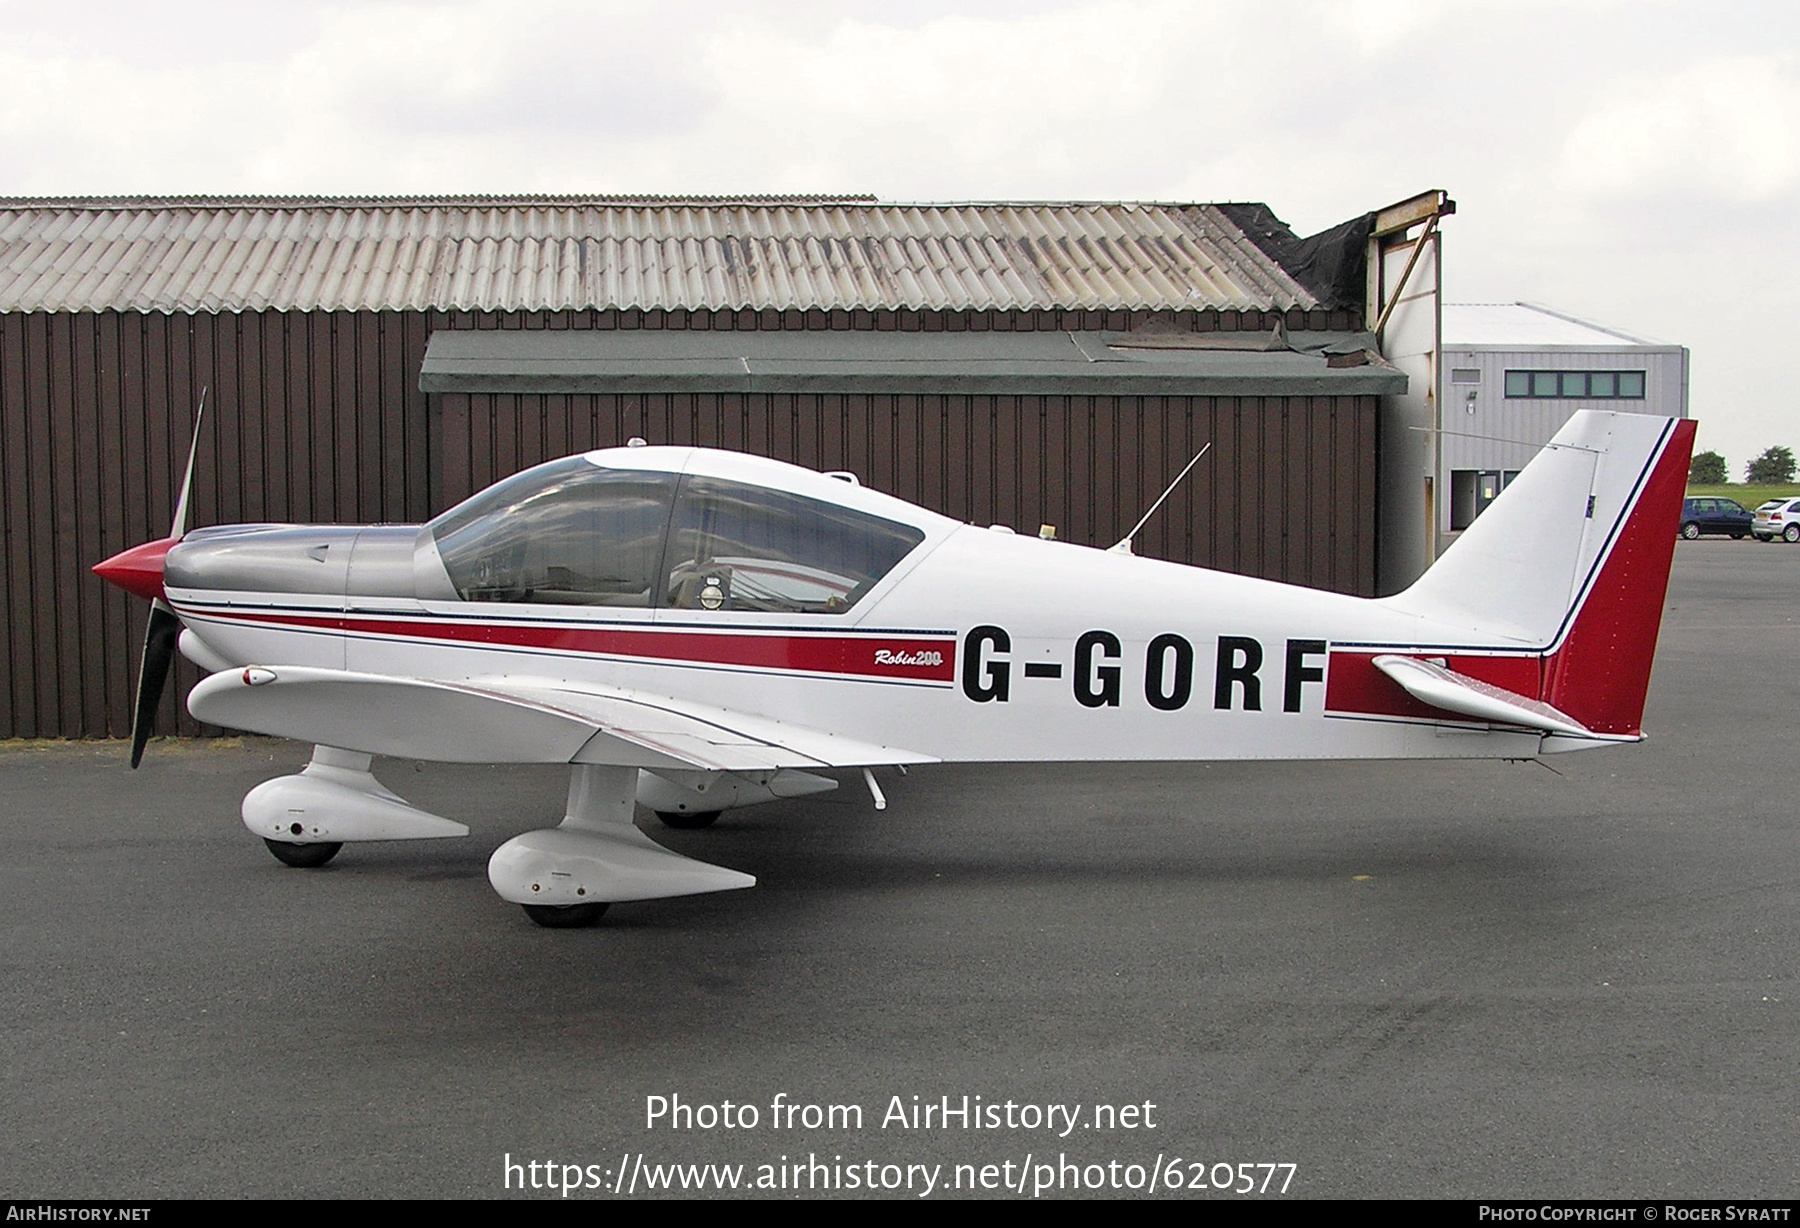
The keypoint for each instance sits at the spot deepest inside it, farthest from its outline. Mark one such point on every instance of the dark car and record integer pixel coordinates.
(1722, 517)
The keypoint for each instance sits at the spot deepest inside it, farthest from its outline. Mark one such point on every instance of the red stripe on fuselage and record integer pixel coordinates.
(908, 658)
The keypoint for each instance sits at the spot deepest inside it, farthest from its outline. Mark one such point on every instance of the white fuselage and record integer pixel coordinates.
(981, 646)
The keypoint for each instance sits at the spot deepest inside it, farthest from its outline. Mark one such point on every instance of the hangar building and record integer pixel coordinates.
(379, 359)
(1516, 372)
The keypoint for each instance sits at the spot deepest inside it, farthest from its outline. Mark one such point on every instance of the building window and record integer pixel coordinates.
(1576, 385)
(1471, 490)
(1465, 375)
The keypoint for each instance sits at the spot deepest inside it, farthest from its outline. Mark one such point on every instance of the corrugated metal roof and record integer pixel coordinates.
(561, 253)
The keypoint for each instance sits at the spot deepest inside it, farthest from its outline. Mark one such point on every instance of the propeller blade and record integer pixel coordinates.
(179, 527)
(153, 673)
(139, 570)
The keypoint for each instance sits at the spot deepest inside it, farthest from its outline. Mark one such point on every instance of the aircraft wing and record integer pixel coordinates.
(514, 720)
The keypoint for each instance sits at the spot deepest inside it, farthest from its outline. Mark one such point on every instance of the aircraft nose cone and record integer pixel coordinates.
(138, 570)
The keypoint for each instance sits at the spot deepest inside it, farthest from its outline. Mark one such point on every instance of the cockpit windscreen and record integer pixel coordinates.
(566, 533)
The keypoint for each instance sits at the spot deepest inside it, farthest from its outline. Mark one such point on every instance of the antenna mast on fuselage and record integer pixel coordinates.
(1124, 546)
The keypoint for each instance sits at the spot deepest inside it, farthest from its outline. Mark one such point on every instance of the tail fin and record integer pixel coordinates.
(1573, 560)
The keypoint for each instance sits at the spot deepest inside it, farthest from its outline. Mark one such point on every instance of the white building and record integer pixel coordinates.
(1514, 373)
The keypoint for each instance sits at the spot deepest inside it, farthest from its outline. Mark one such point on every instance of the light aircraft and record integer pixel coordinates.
(697, 630)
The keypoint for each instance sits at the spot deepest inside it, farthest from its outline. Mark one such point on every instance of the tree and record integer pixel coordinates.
(1775, 465)
(1707, 469)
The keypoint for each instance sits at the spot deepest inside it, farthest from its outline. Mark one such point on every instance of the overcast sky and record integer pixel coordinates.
(1637, 164)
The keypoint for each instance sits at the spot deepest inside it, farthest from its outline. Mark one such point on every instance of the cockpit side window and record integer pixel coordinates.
(566, 533)
(738, 547)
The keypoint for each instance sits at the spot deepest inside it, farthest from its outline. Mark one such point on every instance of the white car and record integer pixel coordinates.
(1777, 518)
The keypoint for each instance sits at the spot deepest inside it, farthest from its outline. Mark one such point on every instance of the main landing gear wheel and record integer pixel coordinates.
(564, 917)
(1690, 531)
(681, 820)
(302, 856)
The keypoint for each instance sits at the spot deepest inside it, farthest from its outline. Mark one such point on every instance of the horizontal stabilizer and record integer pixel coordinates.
(1453, 692)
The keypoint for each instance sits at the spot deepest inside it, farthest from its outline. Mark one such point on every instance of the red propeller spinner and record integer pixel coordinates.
(138, 570)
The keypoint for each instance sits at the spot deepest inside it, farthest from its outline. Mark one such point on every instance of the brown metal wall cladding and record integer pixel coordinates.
(309, 418)
(318, 417)
(1286, 492)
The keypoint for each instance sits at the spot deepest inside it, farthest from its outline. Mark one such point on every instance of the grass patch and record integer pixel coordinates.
(1748, 496)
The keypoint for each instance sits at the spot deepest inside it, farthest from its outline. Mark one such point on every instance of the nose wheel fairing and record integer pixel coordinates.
(335, 799)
